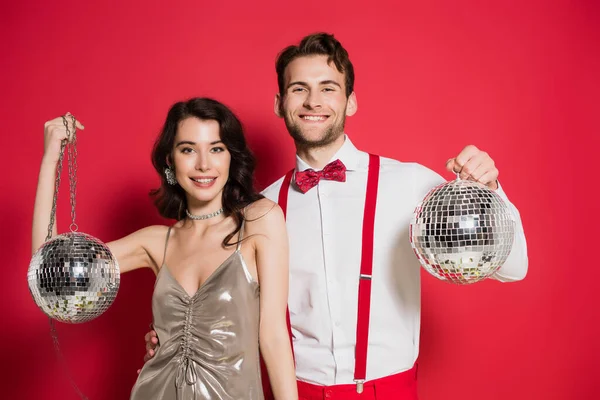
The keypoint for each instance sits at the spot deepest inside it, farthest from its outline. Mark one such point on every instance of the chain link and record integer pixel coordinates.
(62, 359)
(70, 144)
(72, 149)
(56, 186)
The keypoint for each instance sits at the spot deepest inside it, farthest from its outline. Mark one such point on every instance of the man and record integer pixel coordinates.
(342, 204)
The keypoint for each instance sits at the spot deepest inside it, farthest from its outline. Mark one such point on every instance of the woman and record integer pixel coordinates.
(227, 241)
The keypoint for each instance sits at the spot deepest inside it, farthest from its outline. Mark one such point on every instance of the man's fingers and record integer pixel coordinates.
(476, 173)
(490, 179)
(151, 340)
(471, 166)
(466, 154)
(149, 354)
(452, 166)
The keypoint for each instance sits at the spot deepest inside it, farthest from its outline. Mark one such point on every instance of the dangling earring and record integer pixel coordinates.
(170, 175)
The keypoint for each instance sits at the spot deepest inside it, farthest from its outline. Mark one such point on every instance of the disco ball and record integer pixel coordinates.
(462, 232)
(73, 277)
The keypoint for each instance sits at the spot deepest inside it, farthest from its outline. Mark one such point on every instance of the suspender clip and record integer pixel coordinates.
(359, 385)
(365, 276)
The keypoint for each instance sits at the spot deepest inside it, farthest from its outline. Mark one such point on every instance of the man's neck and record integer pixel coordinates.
(318, 157)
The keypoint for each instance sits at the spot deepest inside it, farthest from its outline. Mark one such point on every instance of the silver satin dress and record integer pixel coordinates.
(209, 341)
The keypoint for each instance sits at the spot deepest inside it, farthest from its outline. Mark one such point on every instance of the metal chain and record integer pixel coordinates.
(72, 149)
(62, 360)
(70, 144)
(56, 186)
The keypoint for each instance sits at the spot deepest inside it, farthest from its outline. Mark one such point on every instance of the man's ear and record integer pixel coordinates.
(277, 106)
(352, 105)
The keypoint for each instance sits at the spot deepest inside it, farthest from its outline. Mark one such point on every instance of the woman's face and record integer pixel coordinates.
(201, 161)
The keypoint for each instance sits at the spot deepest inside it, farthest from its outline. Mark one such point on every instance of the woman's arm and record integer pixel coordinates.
(54, 133)
(267, 224)
(131, 251)
(140, 249)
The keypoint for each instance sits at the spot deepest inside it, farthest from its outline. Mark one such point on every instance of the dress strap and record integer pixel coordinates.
(241, 234)
(166, 242)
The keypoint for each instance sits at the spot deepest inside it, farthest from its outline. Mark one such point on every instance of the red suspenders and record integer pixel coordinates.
(282, 201)
(366, 268)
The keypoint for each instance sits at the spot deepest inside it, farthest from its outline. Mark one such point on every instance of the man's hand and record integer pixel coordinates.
(476, 165)
(151, 346)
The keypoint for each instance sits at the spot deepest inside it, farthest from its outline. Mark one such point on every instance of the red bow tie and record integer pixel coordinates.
(334, 171)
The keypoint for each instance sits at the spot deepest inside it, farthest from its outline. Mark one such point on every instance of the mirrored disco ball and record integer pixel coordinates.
(73, 277)
(462, 232)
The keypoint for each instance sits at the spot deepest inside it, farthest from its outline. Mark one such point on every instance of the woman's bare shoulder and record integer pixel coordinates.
(152, 237)
(154, 231)
(260, 209)
(263, 216)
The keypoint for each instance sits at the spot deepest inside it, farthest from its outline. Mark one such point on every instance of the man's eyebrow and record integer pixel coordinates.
(326, 82)
(330, 82)
(296, 83)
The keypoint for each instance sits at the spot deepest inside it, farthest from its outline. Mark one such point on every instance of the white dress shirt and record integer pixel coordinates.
(325, 231)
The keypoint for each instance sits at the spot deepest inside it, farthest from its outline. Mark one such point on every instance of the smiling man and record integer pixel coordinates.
(340, 203)
(314, 101)
(354, 299)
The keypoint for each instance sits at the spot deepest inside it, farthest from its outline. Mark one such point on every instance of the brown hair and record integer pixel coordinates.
(312, 45)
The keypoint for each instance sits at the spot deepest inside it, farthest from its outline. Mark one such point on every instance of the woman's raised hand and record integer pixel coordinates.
(55, 132)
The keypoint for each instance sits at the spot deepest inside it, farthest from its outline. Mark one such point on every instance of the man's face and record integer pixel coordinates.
(314, 105)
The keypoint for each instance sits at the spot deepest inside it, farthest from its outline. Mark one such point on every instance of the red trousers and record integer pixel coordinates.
(402, 386)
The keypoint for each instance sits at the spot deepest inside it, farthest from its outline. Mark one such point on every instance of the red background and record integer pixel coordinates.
(518, 79)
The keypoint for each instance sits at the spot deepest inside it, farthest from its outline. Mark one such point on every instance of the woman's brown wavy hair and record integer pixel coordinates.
(239, 190)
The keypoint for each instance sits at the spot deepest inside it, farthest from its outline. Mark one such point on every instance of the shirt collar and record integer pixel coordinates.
(353, 159)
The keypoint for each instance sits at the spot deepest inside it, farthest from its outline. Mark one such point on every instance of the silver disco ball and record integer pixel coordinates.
(73, 277)
(462, 232)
